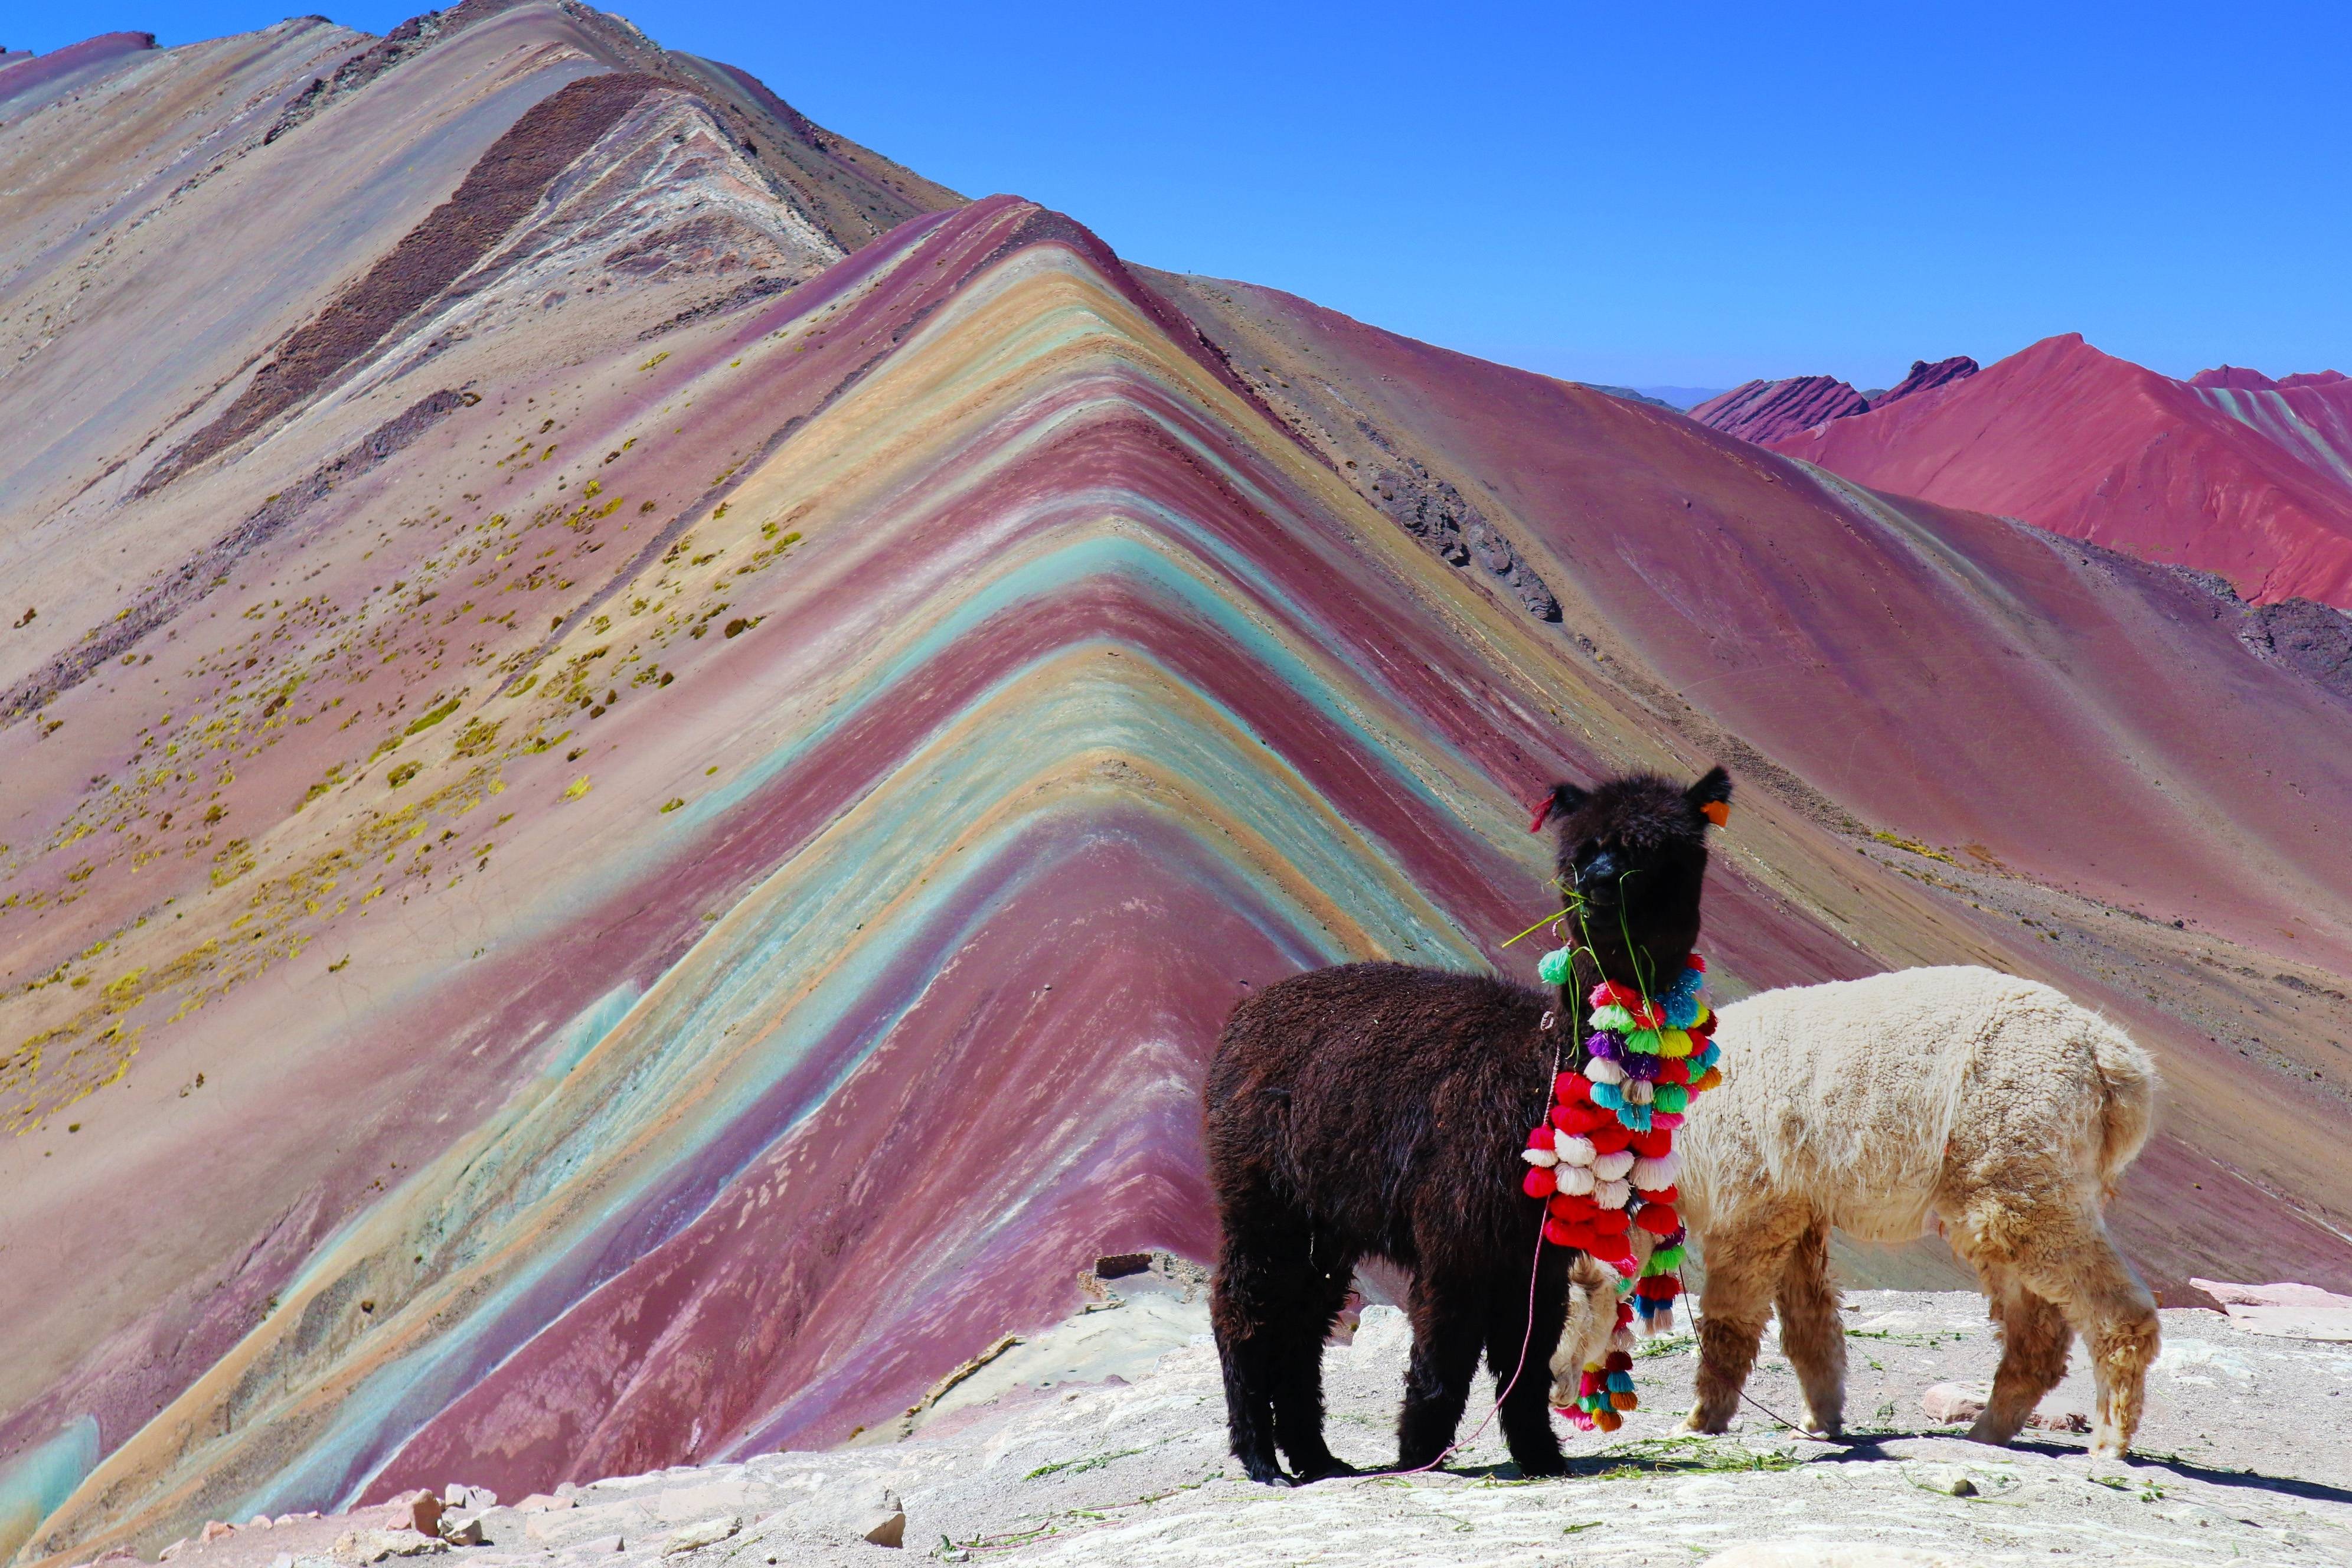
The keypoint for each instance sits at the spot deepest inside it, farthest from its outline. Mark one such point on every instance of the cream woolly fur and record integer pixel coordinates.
(1990, 1106)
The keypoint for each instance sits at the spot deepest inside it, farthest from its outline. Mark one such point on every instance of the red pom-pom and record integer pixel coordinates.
(1667, 1195)
(1539, 1183)
(1610, 992)
(1673, 1070)
(1658, 1219)
(1539, 1136)
(1624, 1314)
(1617, 1361)
(1609, 1222)
(1608, 1134)
(1696, 962)
(1702, 1030)
(1572, 1089)
(1573, 1205)
(1582, 1120)
(1561, 1233)
(1654, 1144)
(1659, 1288)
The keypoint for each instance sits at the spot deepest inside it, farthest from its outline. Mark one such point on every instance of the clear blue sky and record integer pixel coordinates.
(1655, 194)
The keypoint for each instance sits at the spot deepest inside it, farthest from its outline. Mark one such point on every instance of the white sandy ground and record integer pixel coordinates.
(2246, 1460)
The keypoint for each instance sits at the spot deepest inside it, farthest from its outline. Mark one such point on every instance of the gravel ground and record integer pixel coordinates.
(1100, 1445)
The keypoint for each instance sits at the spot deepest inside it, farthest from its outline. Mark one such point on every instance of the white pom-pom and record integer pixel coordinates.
(1651, 1175)
(1572, 1148)
(1603, 1071)
(1637, 1092)
(1574, 1180)
(1622, 1341)
(1609, 1167)
(1612, 1194)
(1539, 1156)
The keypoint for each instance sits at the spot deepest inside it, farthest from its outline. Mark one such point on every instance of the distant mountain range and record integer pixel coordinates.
(2229, 472)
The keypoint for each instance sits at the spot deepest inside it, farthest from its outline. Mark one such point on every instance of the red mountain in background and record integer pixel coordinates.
(1765, 411)
(2229, 472)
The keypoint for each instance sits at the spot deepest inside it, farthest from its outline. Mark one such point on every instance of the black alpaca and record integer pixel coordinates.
(1378, 1110)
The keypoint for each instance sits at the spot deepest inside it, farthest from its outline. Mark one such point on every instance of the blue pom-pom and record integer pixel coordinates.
(1552, 968)
(1608, 1096)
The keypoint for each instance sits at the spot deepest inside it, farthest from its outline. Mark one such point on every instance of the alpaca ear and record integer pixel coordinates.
(1563, 799)
(1711, 796)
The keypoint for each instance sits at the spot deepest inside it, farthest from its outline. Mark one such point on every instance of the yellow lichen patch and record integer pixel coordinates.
(577, 788)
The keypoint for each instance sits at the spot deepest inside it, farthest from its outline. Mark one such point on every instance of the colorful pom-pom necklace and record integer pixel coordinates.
(1603, 1160)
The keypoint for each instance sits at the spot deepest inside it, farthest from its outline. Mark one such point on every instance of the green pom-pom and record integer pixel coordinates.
(1643, 1040)
(1612, 1018)
(1552, 968)
(1669, 1097)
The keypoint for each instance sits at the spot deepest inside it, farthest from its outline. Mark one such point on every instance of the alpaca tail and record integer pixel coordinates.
(2127, 1109)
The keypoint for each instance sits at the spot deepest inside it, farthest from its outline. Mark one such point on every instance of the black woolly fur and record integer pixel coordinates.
(1377, 1110)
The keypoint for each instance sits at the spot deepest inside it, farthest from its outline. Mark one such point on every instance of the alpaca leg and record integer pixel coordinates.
(1250, 1306)
(1743, 1269)
(2122, 1334)
(1812, 1336)
(2034, 1337)
(1447, 1330)
(1520, 1359)
(2066, 1258)
(1298, 1371)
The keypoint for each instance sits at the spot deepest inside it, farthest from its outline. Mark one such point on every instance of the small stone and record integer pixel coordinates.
(216, 1530)
(424, 1514)
(259, 1522)
(541, 1502)
(366, 1546)
(1948, 1402)
(708, 1532)
(855, 1514)
(2067, 1421)
(1949, 1479)
(462, 1529)
(172, 1550)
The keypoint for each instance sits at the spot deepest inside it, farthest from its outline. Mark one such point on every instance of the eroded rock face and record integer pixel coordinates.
(1927, 377)
(1434, 511)
(1762, 410)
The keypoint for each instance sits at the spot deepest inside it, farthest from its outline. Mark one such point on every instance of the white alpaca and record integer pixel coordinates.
(1991, 1103)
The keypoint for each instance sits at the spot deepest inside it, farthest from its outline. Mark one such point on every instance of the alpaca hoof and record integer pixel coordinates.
(1995, 1434)
(1542, 1467)
(1697, 1422)
(1326, 1469)
(1265, 1474)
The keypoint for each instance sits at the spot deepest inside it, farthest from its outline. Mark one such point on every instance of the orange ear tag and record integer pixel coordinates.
(1717, 811)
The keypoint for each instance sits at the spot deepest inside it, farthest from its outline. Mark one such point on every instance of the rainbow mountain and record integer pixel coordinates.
(470, 1007)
